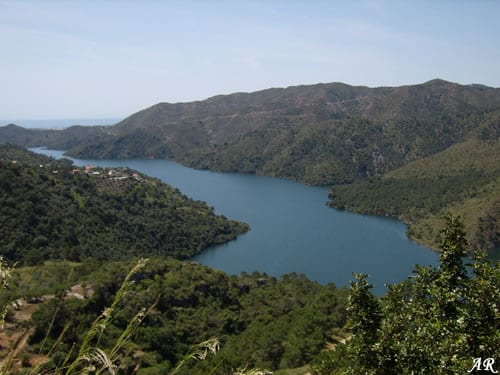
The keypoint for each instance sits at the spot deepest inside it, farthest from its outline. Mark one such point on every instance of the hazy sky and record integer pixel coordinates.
(88, 59)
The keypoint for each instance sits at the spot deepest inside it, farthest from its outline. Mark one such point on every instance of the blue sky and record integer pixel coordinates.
(89, 59)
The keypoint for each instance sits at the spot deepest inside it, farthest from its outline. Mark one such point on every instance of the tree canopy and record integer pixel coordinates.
(54, 210)
(436, 322)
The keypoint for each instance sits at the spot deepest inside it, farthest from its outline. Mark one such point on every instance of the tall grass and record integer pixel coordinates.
(91, 358)
(5, 276)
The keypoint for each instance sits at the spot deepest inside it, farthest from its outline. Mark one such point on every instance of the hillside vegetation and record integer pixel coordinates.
(259, 320)
(464, 179)
(53, 210)
(439, 321)
(60, 139)
(414, 152)
(319, 134)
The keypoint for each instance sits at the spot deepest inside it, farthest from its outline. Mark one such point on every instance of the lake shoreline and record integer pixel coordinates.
(293, 229)
(411, 237)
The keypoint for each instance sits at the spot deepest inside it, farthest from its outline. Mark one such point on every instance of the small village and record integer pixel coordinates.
(113, 180)
(107, 179)
(110, 180)
(115, 174)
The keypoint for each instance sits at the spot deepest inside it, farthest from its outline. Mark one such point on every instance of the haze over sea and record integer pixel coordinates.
(60, 123)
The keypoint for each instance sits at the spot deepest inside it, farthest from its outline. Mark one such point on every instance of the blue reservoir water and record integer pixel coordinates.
(292, 229)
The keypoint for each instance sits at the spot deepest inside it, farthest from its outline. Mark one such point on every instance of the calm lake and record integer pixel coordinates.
(292, 229)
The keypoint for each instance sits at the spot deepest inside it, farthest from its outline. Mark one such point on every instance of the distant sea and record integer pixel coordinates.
(60, 123)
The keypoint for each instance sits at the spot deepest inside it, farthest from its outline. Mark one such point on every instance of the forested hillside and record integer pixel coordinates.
(464, 179)
(260, 321)
(53, 210)
(168, 313)
(320, 134)
(414, 152)
(60, 139)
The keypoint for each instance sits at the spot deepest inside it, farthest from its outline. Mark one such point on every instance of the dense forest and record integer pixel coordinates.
(53, 210)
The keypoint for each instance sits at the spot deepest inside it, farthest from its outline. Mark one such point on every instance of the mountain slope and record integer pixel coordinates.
(60, 139)
(52, 210)
(261, 321)
(320, 134)
(464, 179)
(329, 134)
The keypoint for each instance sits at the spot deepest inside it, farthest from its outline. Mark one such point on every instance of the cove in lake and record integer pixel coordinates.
(292, 229)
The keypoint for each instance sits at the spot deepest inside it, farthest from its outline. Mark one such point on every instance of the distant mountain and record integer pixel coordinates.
(18, 135)
(320, 134)
(327, 134)
(479, 86)
(60, 139)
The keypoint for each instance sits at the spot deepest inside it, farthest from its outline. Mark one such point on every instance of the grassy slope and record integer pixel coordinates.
(460, 159)
(463, 179)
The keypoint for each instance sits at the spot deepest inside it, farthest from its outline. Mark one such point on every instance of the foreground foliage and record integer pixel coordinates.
(92, 357)
(436, 322)
(261, 321)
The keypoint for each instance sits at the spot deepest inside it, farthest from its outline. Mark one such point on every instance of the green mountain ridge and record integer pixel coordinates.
(54, 210)
(464, 179)
(323, 134)
(319, 134)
